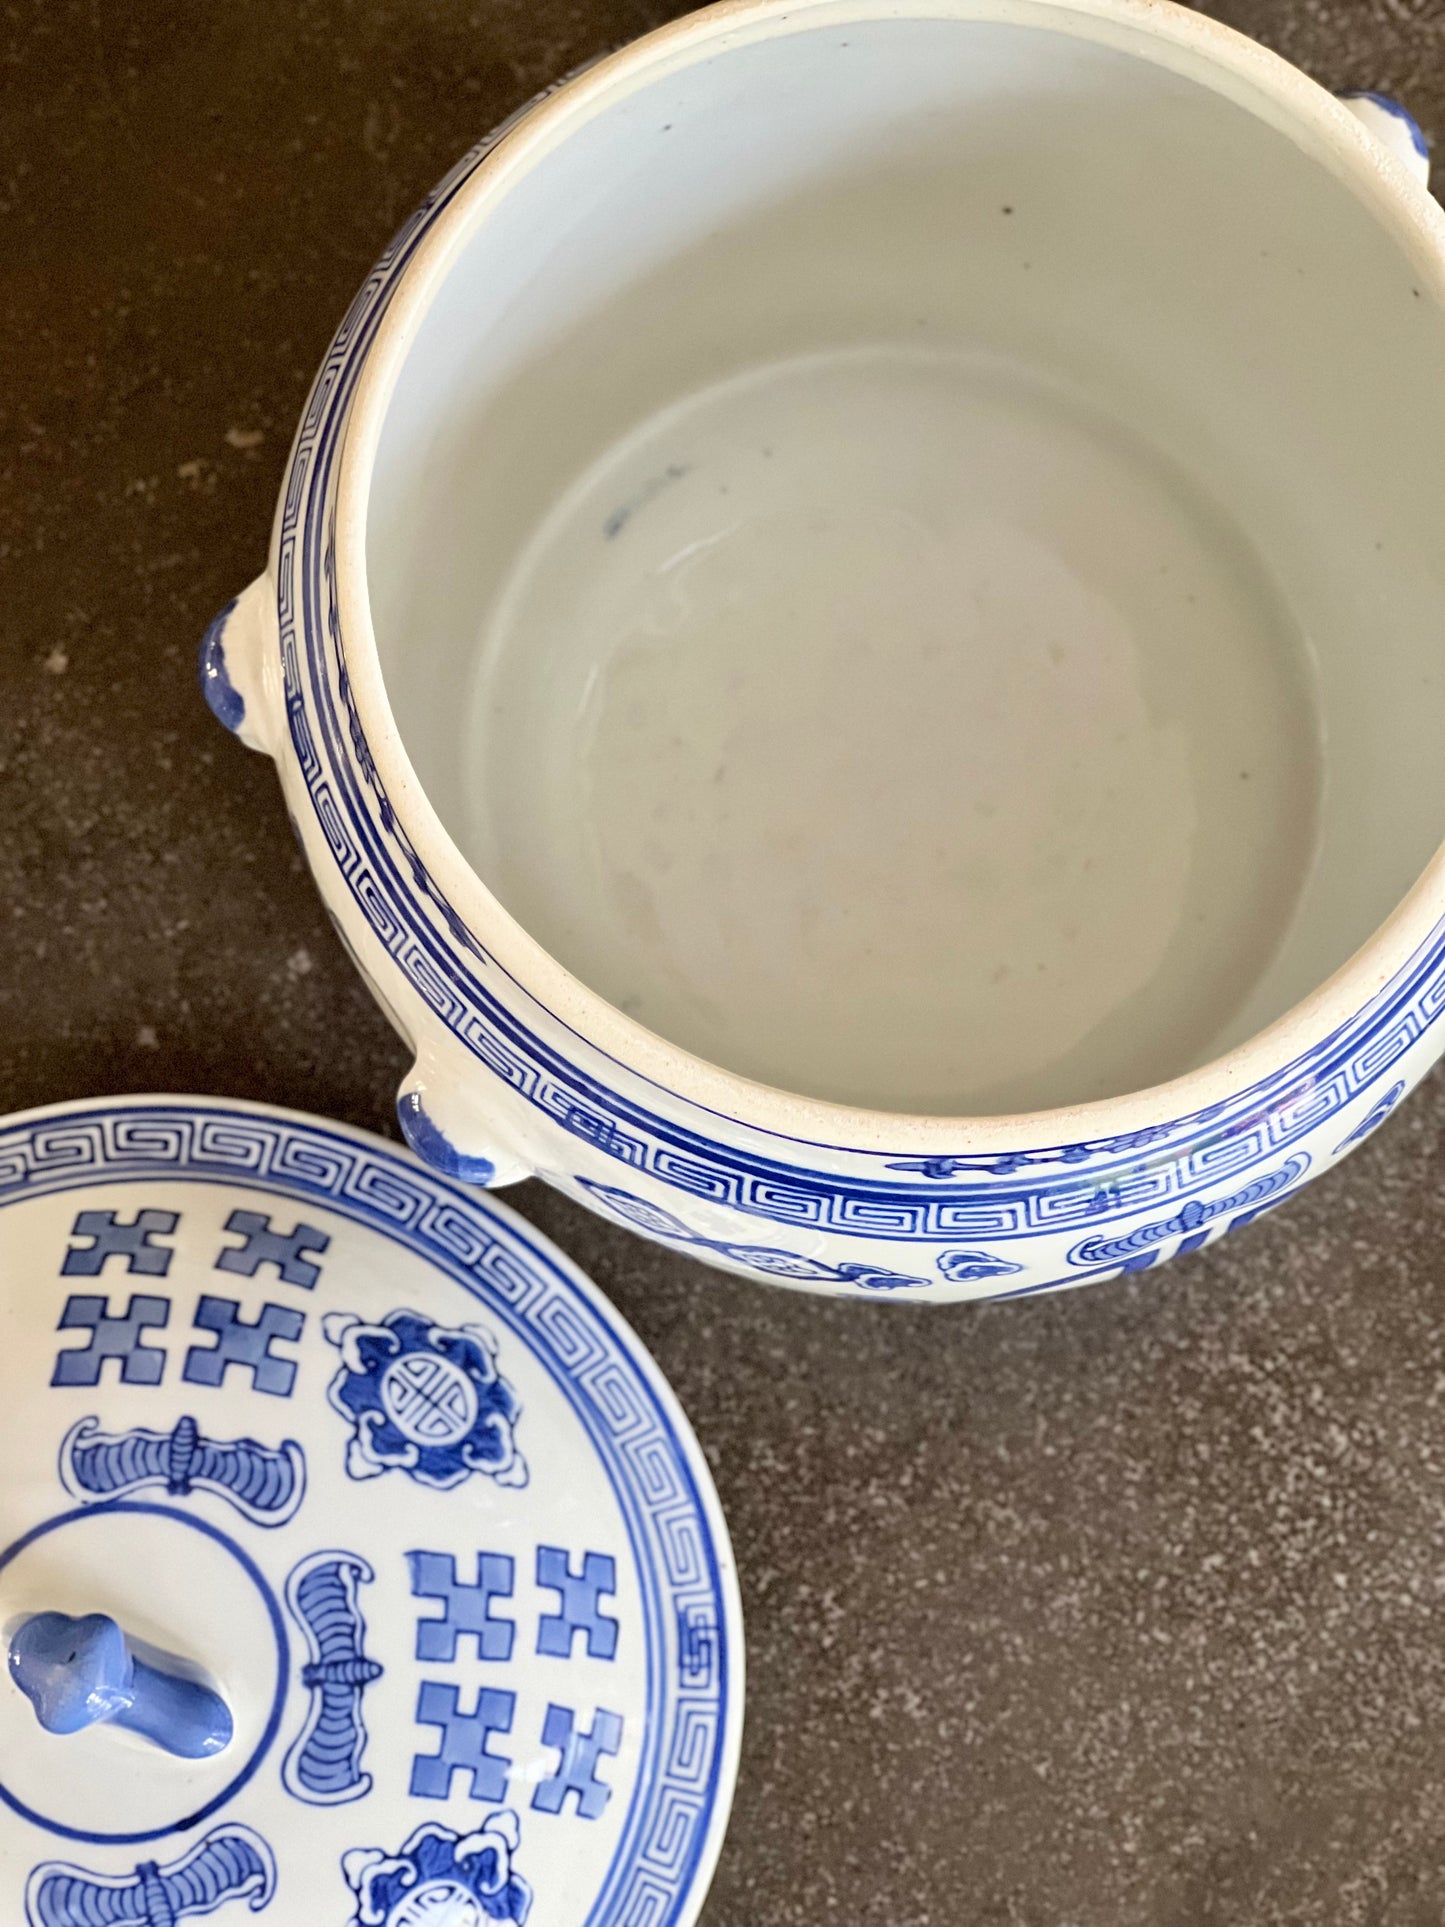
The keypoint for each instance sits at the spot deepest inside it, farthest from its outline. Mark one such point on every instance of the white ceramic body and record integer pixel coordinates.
(1093, 319)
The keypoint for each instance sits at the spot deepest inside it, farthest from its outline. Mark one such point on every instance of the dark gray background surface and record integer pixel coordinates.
(1120, 1607)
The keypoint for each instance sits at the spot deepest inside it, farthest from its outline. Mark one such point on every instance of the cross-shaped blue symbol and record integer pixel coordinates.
(463, 1747)
(247, 1346)
(577, 1772)
(112, 1337)
(284, 1249)
(466, 1610)
(131, 1241)
(578, 1595)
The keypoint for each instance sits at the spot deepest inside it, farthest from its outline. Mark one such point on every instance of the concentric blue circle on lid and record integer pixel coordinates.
(355, 1452)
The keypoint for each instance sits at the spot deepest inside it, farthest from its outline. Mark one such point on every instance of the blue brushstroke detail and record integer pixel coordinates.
(265, 1483)
(227, 704)
(435, 1148)
(1396, 112)
(324, 1765)
(939, 1168)
(1252, 1197)
(79, 1673)
(619, 518)
(577, 1769)
(964, 1267)
(1376, 1115)
(233, 1863)
(459, 1876)
(767, 1258)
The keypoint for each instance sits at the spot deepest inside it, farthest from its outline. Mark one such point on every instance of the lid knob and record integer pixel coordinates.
(78, 1673)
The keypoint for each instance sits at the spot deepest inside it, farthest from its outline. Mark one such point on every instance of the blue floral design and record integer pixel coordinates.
(424, 1399)
(441, 1875)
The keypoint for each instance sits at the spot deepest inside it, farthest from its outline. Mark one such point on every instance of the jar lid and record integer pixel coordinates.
(357, 1565)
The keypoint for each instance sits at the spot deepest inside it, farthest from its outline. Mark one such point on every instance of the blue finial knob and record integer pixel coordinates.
(81, 1672)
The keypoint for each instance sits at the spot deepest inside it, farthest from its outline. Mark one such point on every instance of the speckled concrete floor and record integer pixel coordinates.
(1117, 1608)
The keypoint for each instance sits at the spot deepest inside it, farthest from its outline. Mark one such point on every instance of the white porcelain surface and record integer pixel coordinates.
(413, 1499)
(857, 615)
(967, 762)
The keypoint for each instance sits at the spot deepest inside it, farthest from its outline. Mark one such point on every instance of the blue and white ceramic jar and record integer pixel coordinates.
(852, 638)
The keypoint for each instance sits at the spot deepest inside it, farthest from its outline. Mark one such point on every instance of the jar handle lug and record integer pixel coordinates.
(1394, 128)
(441, 1126)
(240, 667)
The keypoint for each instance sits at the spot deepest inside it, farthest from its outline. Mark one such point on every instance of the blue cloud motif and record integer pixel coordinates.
(441, 1876)
(873, 1277)
(962, 1267)
(424, 1399)
(1373, 1117)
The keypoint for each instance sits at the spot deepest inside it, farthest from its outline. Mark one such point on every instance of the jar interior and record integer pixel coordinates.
(906, 555)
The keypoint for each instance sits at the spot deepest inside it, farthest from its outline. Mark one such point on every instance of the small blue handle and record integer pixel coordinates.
(1397, 131)
(228, 706)
(434, 1147)
(79, 1673)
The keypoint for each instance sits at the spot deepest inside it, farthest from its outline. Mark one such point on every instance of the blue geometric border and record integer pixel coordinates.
(680, 1800)
(1092, 1183)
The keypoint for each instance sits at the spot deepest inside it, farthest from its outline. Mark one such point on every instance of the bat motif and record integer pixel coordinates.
(324, 1765)
(233, 1863)
(266, 1483)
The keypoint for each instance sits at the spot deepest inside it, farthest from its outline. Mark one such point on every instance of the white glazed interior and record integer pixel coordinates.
(1082, 432)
